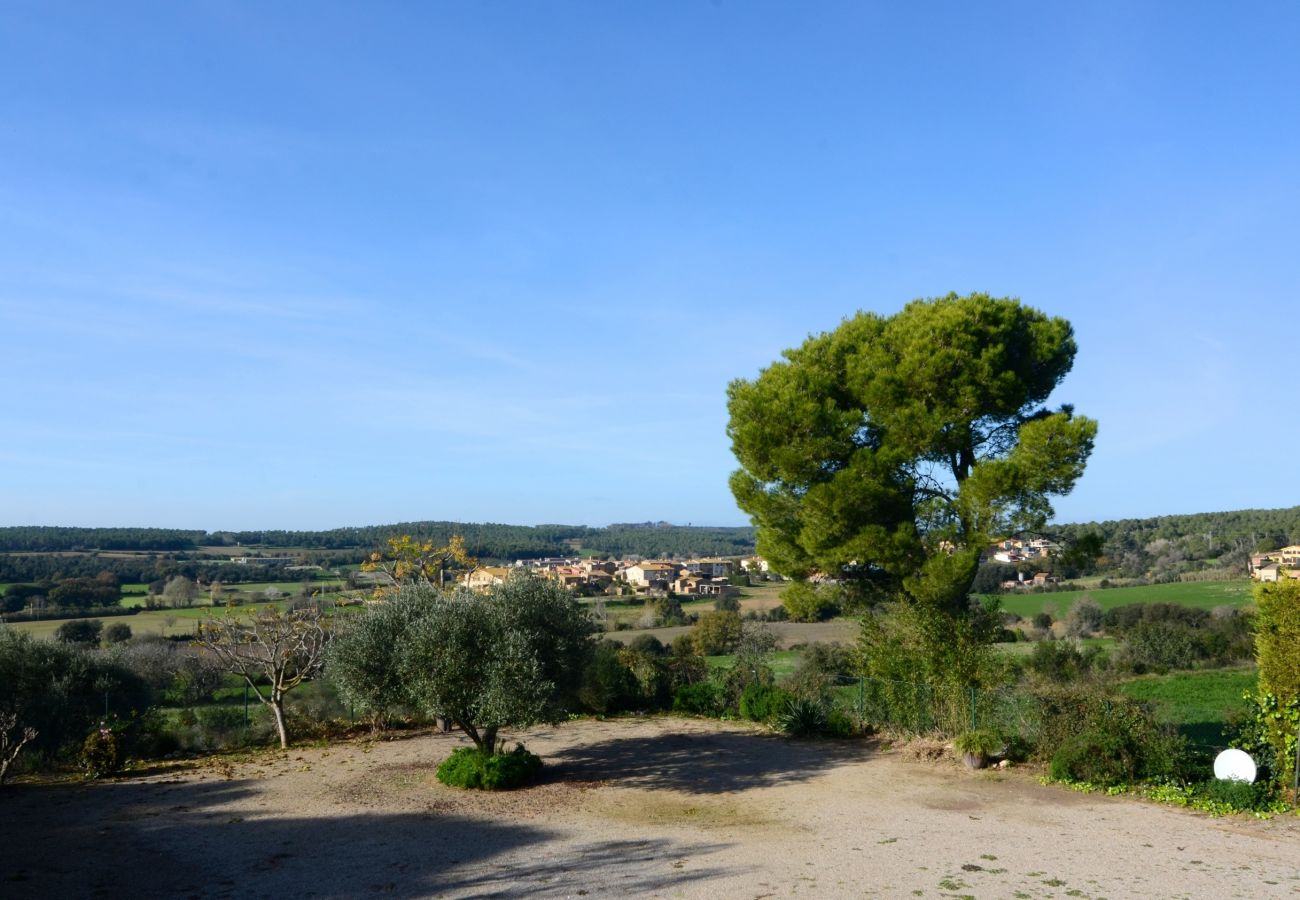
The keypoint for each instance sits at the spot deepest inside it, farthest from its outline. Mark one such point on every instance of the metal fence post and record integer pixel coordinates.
(1295, 783)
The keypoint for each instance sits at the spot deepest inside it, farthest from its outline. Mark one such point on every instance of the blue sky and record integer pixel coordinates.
(305, 265)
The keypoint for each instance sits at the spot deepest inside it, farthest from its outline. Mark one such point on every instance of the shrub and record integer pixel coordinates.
(763, 702)
(981, 741)
(717, 632)
(1241, 796)
(1088, 722)
(667, 611)
(80, 631)
(1063, 661)
(608, 685)
(647, 643)
(1268, 733)
(117, 633)
(1043, 620)
(683, 645)
(727, 603)
(100, 753)
(1084, 618)
(805, 717)
(467, 767)
(60, 691)
(1277, 634)
(819, 667)
(1159, 645)
(703, 698)
(1097, 757)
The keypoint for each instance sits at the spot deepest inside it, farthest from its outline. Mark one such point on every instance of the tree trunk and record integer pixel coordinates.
(489, 745)
(277, 707)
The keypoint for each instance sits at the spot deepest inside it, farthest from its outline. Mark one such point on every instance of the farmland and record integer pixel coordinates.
(1200, 594)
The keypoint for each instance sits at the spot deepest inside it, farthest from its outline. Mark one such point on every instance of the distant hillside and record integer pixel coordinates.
(1166, 546)
(483, 540)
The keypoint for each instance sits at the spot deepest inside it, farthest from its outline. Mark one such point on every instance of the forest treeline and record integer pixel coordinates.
(1160, 546)
(1165, 547)
(485, 541)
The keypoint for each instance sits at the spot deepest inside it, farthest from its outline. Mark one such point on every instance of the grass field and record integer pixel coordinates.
(1202, 594)
(1199, 703)
(783, 662)
(160, 621)
(1024, 648)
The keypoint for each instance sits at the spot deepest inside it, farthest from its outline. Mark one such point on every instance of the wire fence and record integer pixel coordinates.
(915, 708)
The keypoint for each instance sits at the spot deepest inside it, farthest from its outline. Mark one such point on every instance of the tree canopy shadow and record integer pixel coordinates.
(214, 839)
(718, 762)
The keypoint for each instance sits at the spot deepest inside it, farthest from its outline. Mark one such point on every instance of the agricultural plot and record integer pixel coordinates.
(1201, 594)
(154, 621)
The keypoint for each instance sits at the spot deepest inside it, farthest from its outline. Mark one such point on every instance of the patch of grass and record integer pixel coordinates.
(1199, 703)
(783, 662)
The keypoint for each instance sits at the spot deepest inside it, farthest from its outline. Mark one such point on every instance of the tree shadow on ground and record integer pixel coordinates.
(218, 839)
(708, 763)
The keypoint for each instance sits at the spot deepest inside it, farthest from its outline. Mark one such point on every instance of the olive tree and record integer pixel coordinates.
(366, 655)
(284, 648)
(509, 657)
(888, 453)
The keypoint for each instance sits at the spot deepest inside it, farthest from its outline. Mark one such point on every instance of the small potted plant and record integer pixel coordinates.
(977, 746)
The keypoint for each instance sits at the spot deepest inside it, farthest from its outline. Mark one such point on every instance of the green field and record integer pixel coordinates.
(1202, 594)
(154, 621)
(782, 662)
(1199, 703)
(1024, 648)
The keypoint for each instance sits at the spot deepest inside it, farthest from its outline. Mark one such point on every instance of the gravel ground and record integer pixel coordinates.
(646, 807)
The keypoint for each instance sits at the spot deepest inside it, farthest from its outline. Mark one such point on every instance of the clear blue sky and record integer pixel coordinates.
(306, 265)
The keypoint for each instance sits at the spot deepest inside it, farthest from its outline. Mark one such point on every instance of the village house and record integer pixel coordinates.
(568, 576)
(714, 567)
(651, 575)
(486, 576)
(1269, 566)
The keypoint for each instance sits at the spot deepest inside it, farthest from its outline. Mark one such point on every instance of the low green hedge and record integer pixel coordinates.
(467, 767)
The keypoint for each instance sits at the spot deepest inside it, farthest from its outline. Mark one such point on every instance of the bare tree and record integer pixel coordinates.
(180, 591)
(12, 738)
(285, 648)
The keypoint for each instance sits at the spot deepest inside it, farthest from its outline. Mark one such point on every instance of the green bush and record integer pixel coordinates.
(608, 685)
(981, 741)
(703, 698)
(649, 644)
(763, 702)
(1063, 661)
(805, 717)
(467, 767)
(117, 633)
(101, 753)
(1157, 645)
(80, 631)
(1241, 796)
(1091, 735)
(717, 632)
(1097, 757)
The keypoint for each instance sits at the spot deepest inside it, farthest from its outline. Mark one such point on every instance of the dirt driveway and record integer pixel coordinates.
(647, 807)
